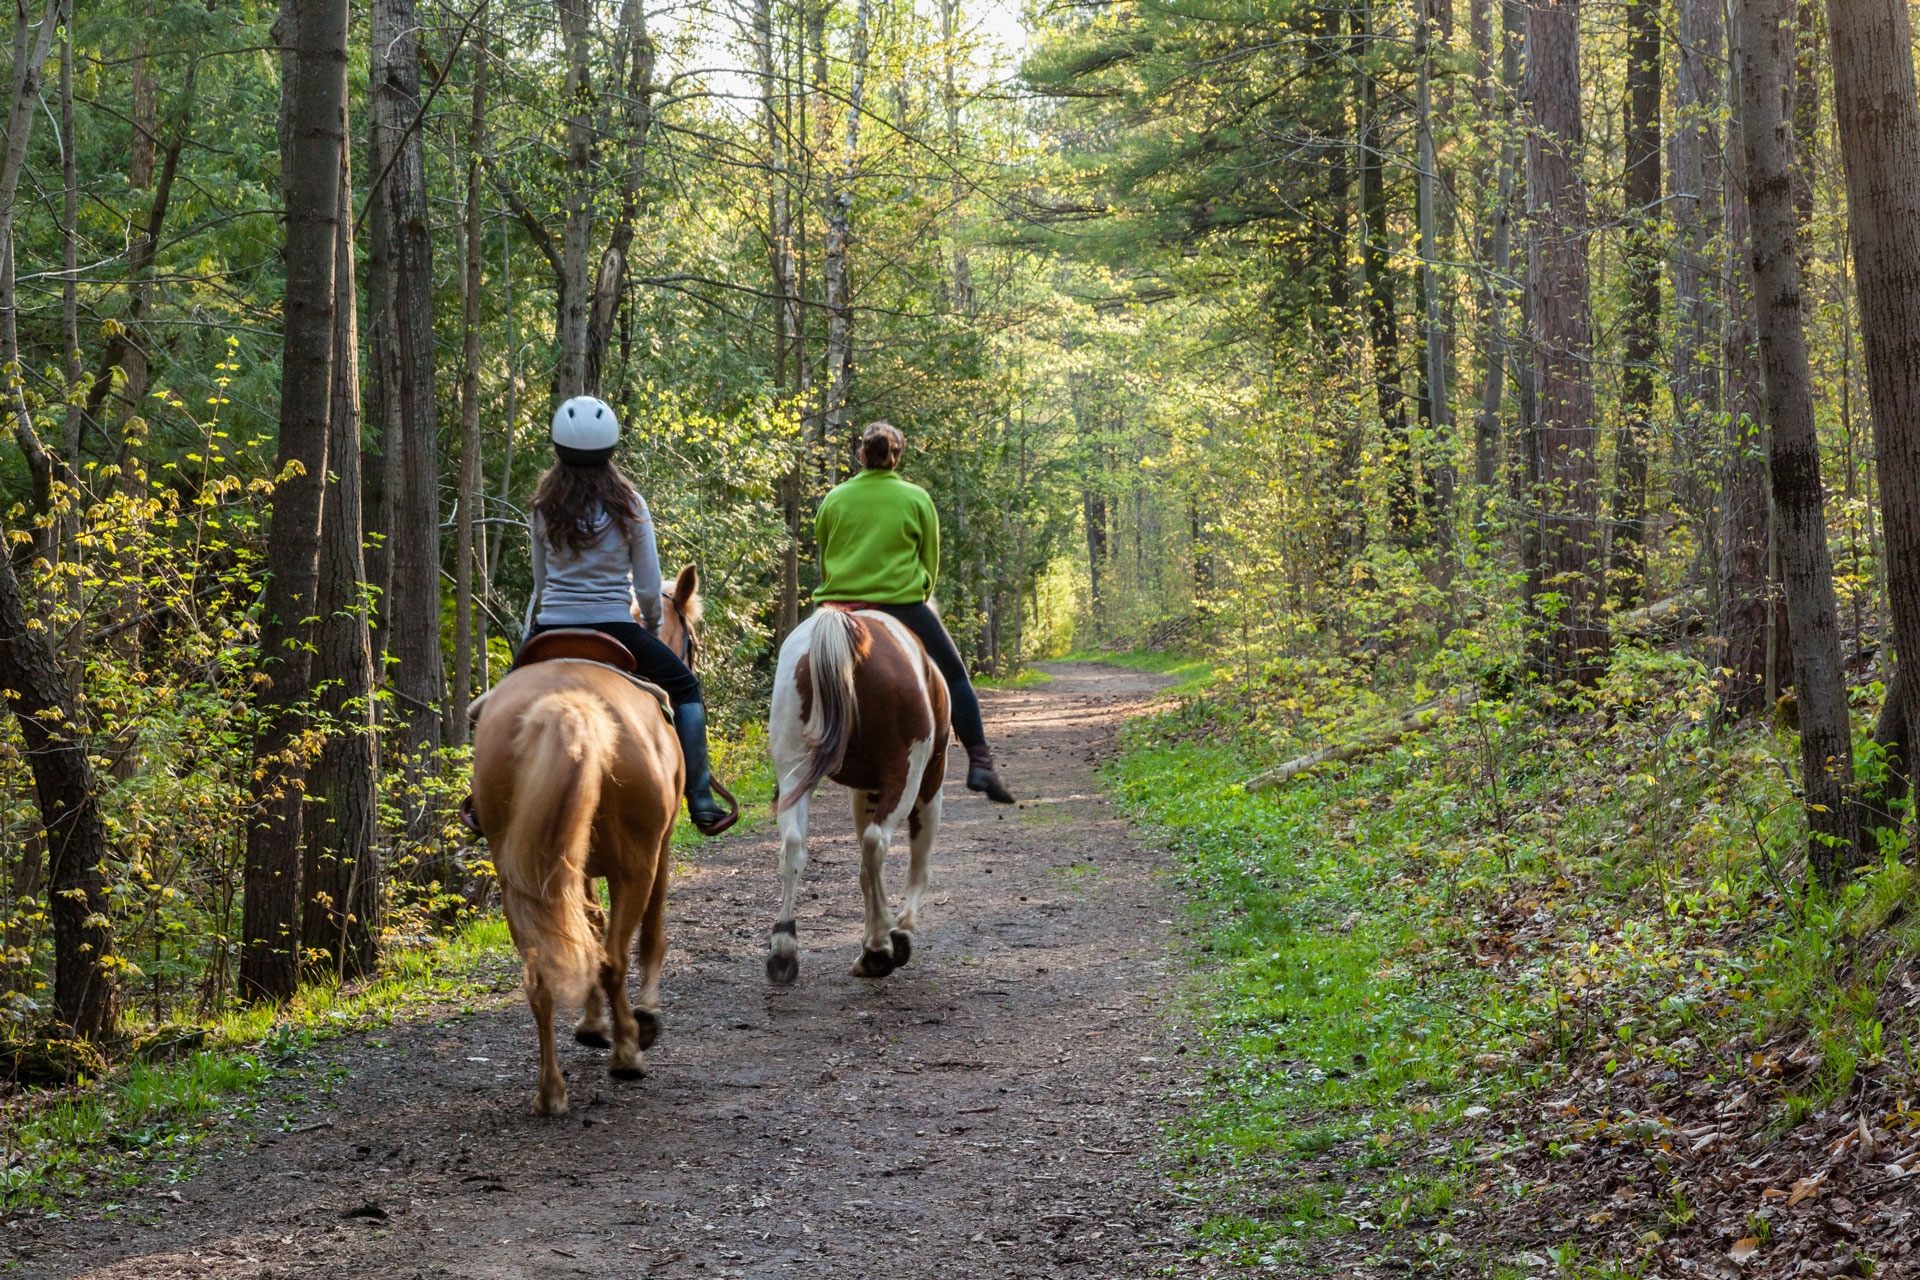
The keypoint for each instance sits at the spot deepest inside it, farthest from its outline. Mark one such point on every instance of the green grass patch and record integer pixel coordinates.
(1531, 890)
(144, 1121)
(1024, 678)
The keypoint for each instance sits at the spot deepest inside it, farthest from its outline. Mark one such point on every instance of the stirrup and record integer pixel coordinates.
(723, 822)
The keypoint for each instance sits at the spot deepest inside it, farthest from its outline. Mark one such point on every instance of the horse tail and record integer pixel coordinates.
(566, 741)
(835, 647)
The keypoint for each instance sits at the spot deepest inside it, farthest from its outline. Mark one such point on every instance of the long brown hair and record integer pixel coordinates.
(570, 499)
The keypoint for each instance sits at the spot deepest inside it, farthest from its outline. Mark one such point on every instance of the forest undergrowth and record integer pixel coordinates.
(140, 1123)
(1542, 990)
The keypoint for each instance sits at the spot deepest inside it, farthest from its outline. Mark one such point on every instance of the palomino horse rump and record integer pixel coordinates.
(577, 774)
(857, 700)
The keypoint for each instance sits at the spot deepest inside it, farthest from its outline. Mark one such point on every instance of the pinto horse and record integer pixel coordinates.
(856, 699)
(577, 774)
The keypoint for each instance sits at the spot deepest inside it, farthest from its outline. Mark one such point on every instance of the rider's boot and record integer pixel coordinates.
(690, 722)
(981, 775)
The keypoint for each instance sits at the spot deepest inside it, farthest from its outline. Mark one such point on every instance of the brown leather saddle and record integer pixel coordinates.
(582, 644)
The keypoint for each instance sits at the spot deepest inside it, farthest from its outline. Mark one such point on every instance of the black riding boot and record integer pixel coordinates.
(690, 722)
(982, 777)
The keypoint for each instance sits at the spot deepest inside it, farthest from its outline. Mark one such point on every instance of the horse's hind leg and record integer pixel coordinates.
(551, 1100)
(877, 957)
(923, 824)
(783, 953)
(629, 902)
(593, 1030)
(653, 945)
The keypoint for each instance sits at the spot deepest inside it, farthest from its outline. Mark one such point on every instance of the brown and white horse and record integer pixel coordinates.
(577, 774)
(856, 699)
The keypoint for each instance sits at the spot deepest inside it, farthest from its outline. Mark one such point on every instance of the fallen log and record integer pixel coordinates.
(1676, 615)
(1418, 720)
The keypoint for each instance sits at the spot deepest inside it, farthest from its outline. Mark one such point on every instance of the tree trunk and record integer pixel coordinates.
(1642, 327)
(1573, 638)
(1696, 214)
(633, 63)
(414, 596)
(1376, 271)
(1746, 627)
(1879, 126)
(382, 471)
(1433, 334)
(269, 957)
(1499, 98)
(1765, 40)
(340, 872)
(780, 285)
(83, 988)
(469, 410)
(839, 299)
(577, 226)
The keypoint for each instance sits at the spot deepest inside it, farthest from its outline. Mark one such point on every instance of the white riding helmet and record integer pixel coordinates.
(585, 431)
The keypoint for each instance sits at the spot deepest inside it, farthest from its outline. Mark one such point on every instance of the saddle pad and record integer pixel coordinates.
(645, 686)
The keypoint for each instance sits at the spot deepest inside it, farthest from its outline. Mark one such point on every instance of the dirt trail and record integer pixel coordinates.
(990, 1110)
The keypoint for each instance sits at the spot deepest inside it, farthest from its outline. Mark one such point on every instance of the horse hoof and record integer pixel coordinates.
(649, 1028)
(550, 1107)
(593, 1037)
(631, 1071)
(873, 964)
(782, 970)
(902, 947)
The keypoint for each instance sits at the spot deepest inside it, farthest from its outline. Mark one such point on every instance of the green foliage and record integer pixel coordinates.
(1536, 888)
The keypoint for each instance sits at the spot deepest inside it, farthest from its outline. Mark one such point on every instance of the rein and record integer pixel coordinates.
(689, 643)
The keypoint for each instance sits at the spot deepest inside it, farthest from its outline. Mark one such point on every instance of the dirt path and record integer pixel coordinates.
(990, 1110)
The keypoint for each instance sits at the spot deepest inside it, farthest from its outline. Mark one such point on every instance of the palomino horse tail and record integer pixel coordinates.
(565, 743)
(836, 645)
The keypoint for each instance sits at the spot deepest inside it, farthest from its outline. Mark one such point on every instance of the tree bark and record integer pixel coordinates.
(1765, 40)
(633, 65)
(1499, 100)
(1433, 330)
(414, 596)
(1572, 641)
(269, 957)
(469, 510)
(1377, 273)
(839, 298)
(1879, 126)
(576, 233)
(63, 779)
(1641, 337)
(1747, 631)
(1696, 214)
(340, 871)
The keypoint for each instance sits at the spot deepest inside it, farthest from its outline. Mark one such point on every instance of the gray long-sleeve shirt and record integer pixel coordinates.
(601, 583)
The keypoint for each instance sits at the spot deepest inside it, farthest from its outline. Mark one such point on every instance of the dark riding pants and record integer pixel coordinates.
(925, 623)
(652, 659)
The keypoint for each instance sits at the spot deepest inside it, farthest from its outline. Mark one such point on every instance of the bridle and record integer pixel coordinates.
(689, 643)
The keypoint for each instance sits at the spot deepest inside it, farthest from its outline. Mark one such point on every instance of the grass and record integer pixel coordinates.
(143, 1122)
(1468, 917)
(1024, 678)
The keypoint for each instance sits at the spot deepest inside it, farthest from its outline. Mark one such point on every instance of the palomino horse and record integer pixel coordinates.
(576, 774)
(857, 699)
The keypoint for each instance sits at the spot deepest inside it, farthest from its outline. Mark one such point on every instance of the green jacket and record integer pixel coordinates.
(879, 540)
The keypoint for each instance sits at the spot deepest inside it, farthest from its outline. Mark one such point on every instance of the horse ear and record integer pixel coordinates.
(686, 588)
